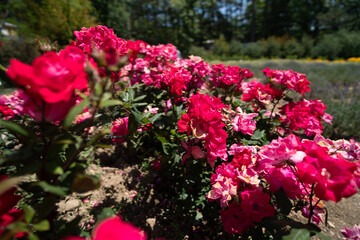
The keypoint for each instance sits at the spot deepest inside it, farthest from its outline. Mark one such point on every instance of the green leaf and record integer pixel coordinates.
(17, 129)
(156, 117)
(29, 213)
(131, 94)
(54, 168)
(145, 120)
(18, 227)
(2, 68)
(98, 89)
(139, 98)
(258, 134)
(297, 234)
(76, 110)
(85, 234)
(85, 183)
(8, 183)
(137, 116)
(44, 225)
(139, 104)
(322, 236)
(198, 216)
(103, 146)
(57, 190)
(82, 95)
(166, 147)
(125, 96)
(162, 139)
(110, 102)
(32, 236)
(106, 96)
(105, 213)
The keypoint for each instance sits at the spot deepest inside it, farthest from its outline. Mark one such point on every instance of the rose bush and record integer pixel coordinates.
(220, 152)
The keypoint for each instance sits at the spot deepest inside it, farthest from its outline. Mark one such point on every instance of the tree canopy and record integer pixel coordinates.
(184, 22)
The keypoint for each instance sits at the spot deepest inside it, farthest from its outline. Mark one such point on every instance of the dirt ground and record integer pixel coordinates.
(119, 185)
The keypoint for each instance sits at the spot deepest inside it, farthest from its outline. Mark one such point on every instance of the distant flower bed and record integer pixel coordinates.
(353, 59)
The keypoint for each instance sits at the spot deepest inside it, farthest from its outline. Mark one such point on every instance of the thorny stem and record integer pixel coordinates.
(311, 206)
(311, 194)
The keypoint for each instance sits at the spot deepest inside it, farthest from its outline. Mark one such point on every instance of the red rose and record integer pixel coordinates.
(115, 228)
(50, 82)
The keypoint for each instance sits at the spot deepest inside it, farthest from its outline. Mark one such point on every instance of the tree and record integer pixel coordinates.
(53, 19)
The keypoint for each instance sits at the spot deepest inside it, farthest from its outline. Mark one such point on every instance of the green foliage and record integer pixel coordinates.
(221, 46)
(114, 14)
(307, 43)
(254, 50)
(235, 48)
(292, 48)
(51, 18)
(272, 48)
(298, 234)
(198, 51)
(22, 49)
(342, 44)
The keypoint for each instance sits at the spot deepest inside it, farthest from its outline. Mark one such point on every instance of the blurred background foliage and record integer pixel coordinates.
(279, 28)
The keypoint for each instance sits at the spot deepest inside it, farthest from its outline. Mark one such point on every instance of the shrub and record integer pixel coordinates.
(198, 51)
(350, 44)
(342, 44)
(272, 47)
(254, 50)
(307, 43)
(221, 46)
(235, 48)
(23, 49)
(292, 48)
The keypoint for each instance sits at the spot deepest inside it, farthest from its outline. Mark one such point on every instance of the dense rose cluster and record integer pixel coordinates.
(204, 121)
(244, 122)
(224, 77)
(289, 164)
(280, 151)
(258, 94)
(253, 207)
(100, 38)
(198, 68)
(292, 80)
(333, 177)
(306, 115)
